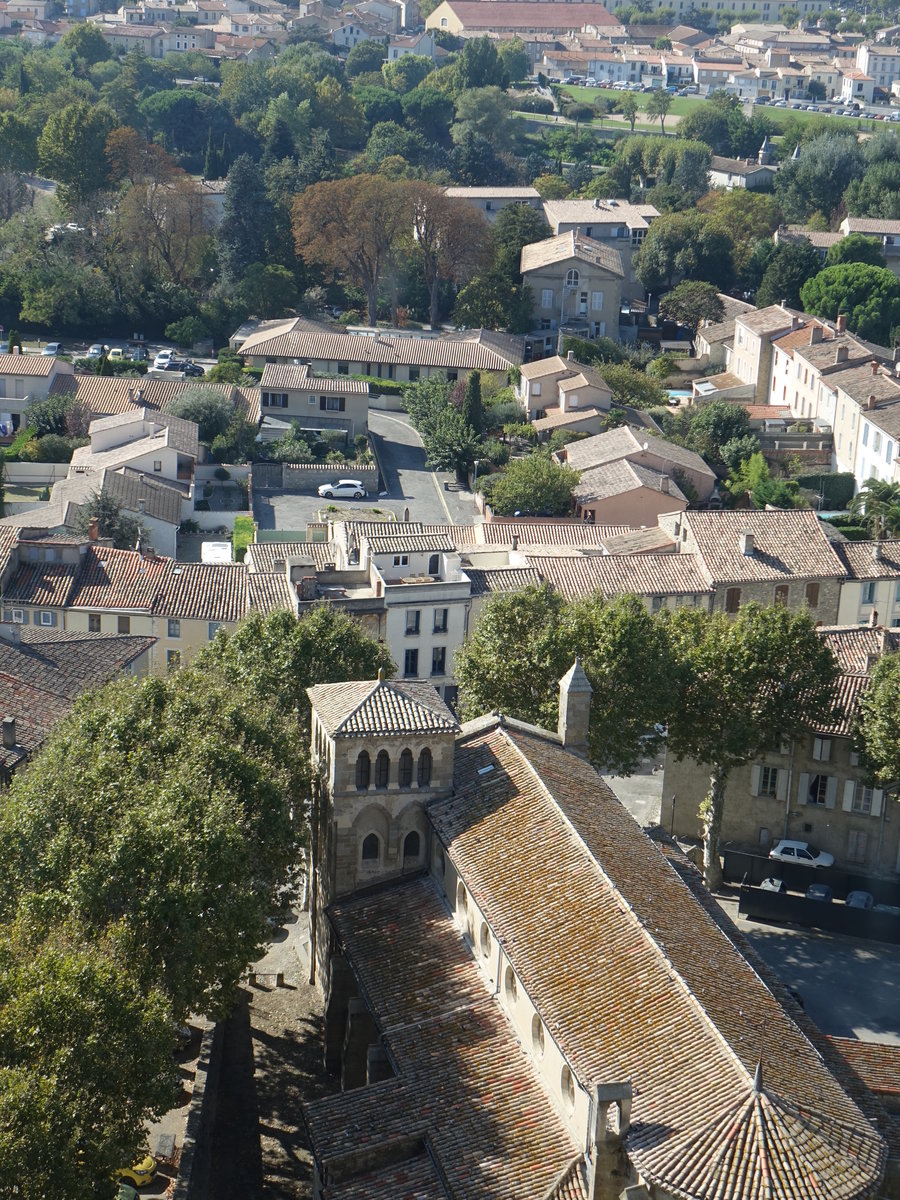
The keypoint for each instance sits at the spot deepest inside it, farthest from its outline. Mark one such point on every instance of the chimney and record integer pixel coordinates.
(871, 402)
(664, 483)
(877, 551)
(815, 334)
(17, 349)
(142, 504)
(794, 321)
(570, 356)
(596, 202)
(841, 324)
(8, 728)
(307, 587)
(515, 541)
(606, 1153)
(574, 709)
(747, 543)
(840, 354)
(873, 618)
(94, 529)
(873, 366)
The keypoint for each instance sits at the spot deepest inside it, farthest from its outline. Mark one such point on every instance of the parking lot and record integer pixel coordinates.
(409, 485)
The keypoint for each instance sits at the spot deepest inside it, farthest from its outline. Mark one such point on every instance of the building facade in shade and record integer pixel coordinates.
(526, 996)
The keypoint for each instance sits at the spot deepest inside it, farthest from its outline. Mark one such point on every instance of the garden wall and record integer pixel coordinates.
(304, 477)
(34, 474)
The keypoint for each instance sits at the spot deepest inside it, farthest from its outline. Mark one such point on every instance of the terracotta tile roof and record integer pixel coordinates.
(877, 1064)
(501, 579)
(563, 246)
(472, 351)
(385, 706)
(460, 535)
(860, 561)
(629, 443)
(203, 592)
(27, 364)
(46, 584)
(548, 533)
(267, 593)
(786, 544)
(413, 1179)
(294, 377)
(599, 212)
(801, 337)
(768, 321)
(492, 193)
(465, 1085)
(557, 419)
(618, 575)
(45, 671)
(573, 1185)
(525, 14)
(855, 646)
(768, 412)
(859, 383)
(118, 579)
(873, 225)
(619, 478)
(268, 557)
(640, 541)
(644, 985)
(128, 488)
(114, 394)
(395, 539)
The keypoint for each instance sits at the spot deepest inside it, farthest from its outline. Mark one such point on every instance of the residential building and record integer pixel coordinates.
(42, 674)
(777, 557)
(491, 846)
(640, 448)
(422, 44)
(881, 63)
(750, 357)
(803, 362)
(152, 443)
(616, 223)
(116, 395)
(866, 422)
(857, 87)
(87, 587)
(577, 286)
(661, 580)
(23, 378)
(522, 17)
(751, 8)
(386, 354)
(813, 788)
(560, 393)
(713, 342)
(883, 230)
(731, 173)
(294, 394)
(870, 592)
(492, 200)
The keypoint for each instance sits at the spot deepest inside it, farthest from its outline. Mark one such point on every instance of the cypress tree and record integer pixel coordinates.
(472, 411)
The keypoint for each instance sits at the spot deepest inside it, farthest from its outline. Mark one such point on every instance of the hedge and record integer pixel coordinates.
(836, 490)
(242, 537)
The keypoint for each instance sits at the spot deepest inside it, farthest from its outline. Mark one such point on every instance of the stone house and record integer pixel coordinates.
(616, 223)
(292, 393)
(453, 910)
(870, 592)
(561, 393)
(23, 378)
(812, 789)
(683, 467)
(778, 557)
(492, 200)
(750, 357)
(661, 580)
(577, 286)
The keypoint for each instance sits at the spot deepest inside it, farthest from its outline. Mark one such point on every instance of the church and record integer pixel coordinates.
(529, 998)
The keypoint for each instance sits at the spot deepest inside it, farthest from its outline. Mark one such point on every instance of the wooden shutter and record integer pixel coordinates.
(849, 792)
(831, 791)
(755, 773)
(781, 780)
(877, 801)
(803, 788)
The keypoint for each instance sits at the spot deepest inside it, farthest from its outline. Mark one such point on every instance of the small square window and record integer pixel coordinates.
(123, 624)
(174, 628)
(46, 618)
(213, 629)
(157, 465)
(93, 622)
(411, 663)
(173, 659)
(413, 620)
(439, 660)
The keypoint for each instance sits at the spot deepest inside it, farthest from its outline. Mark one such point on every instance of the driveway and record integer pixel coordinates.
(409, 485)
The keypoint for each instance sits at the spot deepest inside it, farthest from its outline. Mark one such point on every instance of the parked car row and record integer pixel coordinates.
(824, 893)
(166, 361)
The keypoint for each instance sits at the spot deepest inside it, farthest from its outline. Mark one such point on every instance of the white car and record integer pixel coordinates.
(801, 852)
(159, 363)
(349, 489)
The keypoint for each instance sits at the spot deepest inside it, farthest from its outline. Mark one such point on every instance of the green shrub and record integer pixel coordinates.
(242, 537)
(222, 474)
(202, 506)
(26, 434)
(836, 490)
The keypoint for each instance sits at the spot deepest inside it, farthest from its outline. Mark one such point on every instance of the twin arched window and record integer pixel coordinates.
(383, 769)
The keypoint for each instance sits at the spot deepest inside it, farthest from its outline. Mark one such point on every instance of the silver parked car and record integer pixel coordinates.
(345, 489)
(801, 852)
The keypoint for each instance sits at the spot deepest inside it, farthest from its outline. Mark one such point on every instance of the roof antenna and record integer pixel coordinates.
(381, 674)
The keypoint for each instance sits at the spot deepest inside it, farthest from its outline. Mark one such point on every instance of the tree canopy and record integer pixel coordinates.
(534, 485)
(877, 723)
(870, 297)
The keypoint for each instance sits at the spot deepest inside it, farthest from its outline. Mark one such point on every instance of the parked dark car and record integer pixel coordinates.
(821, 892)
(185, 367)
(860, 900)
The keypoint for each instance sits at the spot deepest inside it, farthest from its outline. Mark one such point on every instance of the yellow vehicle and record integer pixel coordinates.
(140, 1173)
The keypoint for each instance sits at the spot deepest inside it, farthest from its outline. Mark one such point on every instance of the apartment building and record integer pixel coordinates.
(867, 421)
(870, 593)
(614, 223)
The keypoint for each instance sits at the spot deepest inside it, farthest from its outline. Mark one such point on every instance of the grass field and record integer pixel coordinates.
(682, 105)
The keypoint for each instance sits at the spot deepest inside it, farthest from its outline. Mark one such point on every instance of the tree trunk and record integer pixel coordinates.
(711, 811)
(433, 305)
(372, 302)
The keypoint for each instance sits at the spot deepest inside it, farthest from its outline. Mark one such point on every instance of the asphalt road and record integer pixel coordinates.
(409, 484)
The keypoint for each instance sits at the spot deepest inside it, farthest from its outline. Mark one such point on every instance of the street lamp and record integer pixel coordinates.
(475, 483)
